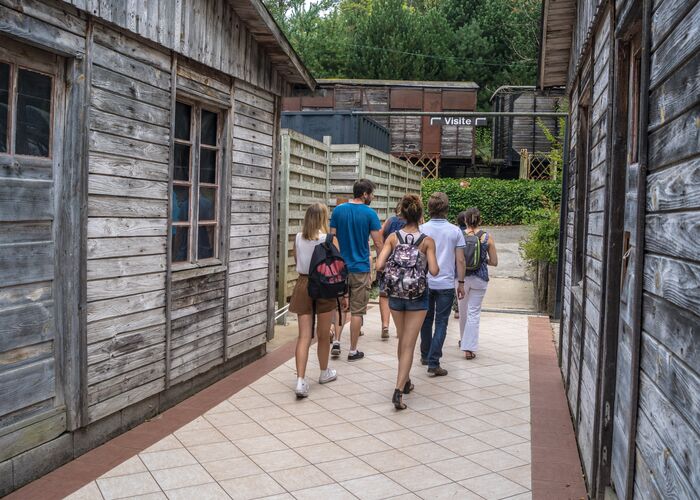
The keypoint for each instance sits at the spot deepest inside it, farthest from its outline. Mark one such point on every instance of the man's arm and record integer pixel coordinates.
(378, 240)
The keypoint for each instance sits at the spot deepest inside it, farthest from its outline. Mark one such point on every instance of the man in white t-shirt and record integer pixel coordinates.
(449, 245)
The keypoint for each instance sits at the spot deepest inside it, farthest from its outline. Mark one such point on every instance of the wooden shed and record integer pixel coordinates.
(138, 168)
(412, 137)
(631, 282)
(512, 135)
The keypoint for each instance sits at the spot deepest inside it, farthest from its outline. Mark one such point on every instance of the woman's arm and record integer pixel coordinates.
(383, 256)
(493, 256)
(430, 253)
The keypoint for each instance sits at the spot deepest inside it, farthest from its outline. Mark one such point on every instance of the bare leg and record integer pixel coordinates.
(355, 327)
(384, 311)
(398, 317)
(303, 343)
(338, 325)
(412, 322)
(323, 346)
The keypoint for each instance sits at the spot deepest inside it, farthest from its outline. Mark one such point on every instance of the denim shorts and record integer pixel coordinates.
(419, 304)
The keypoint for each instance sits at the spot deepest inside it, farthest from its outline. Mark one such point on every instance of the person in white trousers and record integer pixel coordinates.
(475, 284)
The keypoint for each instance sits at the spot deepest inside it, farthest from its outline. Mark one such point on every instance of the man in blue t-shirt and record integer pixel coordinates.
(353, 223)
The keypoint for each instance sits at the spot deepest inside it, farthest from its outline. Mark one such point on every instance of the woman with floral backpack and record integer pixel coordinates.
(406, 258)
(480, 252)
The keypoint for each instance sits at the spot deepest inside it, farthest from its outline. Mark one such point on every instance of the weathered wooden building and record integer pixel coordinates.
(630, 339)
(512, 135)
(437, 147)
(137, 240)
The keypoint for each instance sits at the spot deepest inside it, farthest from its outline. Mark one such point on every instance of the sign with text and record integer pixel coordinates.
(458, 121)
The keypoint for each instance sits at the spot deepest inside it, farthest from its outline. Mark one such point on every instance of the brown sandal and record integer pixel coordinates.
(469, 355)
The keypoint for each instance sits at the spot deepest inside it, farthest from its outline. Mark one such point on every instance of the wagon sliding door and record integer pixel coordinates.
(31, 93)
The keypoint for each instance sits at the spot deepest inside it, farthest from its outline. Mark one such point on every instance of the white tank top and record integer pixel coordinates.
(304, 250)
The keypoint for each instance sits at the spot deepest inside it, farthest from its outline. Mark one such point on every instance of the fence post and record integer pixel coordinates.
(283, 236)
(328, 140)
(362, 153)
(524, 167)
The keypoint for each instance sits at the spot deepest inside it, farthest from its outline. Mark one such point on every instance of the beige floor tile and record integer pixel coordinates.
(88, 492)
(492, 486)
(167, 459)
(444, 414)
(197, 437)
(428, 452)
(337, 403)
(464, 445)
(232, 468)
(390, 460)
(243, 431)
(326, 492)
(437, 432)
(263, 444)
(222, 407)
(523, 496)
(475, 409)
(268, 412)
(301, 478)
(363, 445)
(377, 424)
(505, 403)
(298, 407)
(341, 431)
(409, 418)
(246, 488)
(498, 438)
(305, 437)
(279, 460)
(521, 475)
(401, 439)
(284, 424)
(496, 460)
(134, 465)
(217, 451)
(202, 492)
(452, 491)
(370, 398)
(501, 419)
(167, 443)
(356, 414)
(470, 425)
(374, 487)
(150, 496)
(523, 451)
(521, 413)
(477, 394)
(324, 452)
(181, 477)
(320, 418)
(347, 468)
(522, 430)
(250, 402)
(418, 477)
(224, 419)
(459, 468)
(198, 424)
(128, 486)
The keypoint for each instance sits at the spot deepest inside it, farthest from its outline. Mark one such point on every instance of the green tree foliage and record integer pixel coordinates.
(491, 42)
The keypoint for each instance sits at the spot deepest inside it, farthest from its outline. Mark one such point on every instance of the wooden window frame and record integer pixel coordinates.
(42, 65)
(194, 185)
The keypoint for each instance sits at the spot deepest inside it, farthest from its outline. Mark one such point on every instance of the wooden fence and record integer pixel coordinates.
(313, 171)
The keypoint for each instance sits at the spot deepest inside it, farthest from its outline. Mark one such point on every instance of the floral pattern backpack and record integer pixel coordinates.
(405, 274)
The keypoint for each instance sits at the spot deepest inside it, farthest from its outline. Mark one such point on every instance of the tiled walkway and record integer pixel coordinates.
(466, 435)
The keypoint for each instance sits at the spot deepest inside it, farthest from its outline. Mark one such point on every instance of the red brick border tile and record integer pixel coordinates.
(88, 467)
(556, 467)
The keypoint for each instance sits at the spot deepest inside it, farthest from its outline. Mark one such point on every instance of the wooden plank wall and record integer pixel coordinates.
(206, 31)
(526, 133)
(669, 402)
(127, 221)
(251, 209)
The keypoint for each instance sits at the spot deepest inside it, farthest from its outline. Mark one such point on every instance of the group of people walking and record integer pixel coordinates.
(423, 267)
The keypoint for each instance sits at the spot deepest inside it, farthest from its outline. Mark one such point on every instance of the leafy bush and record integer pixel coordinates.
(501, 202)
(542, 244)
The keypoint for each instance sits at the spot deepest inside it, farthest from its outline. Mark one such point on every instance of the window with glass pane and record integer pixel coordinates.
(26, 111)
(196, 182)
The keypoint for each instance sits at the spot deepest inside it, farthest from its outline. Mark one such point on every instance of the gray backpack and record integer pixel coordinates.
(472, 250)
(405, 273)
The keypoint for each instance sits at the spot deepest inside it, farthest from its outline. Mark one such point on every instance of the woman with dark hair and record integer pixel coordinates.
(475, 283)
(390, 226)
(408, 314)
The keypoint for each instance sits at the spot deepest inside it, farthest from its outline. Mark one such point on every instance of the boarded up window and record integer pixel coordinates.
(458, 100)
(196, 181)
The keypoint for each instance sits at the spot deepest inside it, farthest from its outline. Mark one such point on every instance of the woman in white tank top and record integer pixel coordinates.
(314, 232)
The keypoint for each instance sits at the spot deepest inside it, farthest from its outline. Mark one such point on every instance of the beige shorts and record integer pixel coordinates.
(360, 285)
(301, 303)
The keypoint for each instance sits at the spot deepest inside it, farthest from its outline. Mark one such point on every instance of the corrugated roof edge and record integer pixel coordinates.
(398, 83)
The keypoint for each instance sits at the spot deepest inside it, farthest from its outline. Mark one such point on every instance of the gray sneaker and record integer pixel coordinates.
(327, 375)
(335, 350)
(302, 389)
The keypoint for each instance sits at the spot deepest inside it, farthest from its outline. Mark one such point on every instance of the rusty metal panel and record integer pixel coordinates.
(432, 101)
(291, 104)
(317, 101)
(458, 100)
(406, 98)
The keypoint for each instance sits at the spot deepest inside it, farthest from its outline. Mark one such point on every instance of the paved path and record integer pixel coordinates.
(466, 435)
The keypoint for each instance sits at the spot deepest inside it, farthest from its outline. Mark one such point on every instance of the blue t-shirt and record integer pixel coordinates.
(353, 222)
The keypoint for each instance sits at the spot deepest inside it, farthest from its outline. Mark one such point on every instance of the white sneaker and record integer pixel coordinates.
(327, 375)
(302, 389)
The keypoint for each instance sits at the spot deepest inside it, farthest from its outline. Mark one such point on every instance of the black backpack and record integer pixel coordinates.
(472, 250)
(328, 274)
